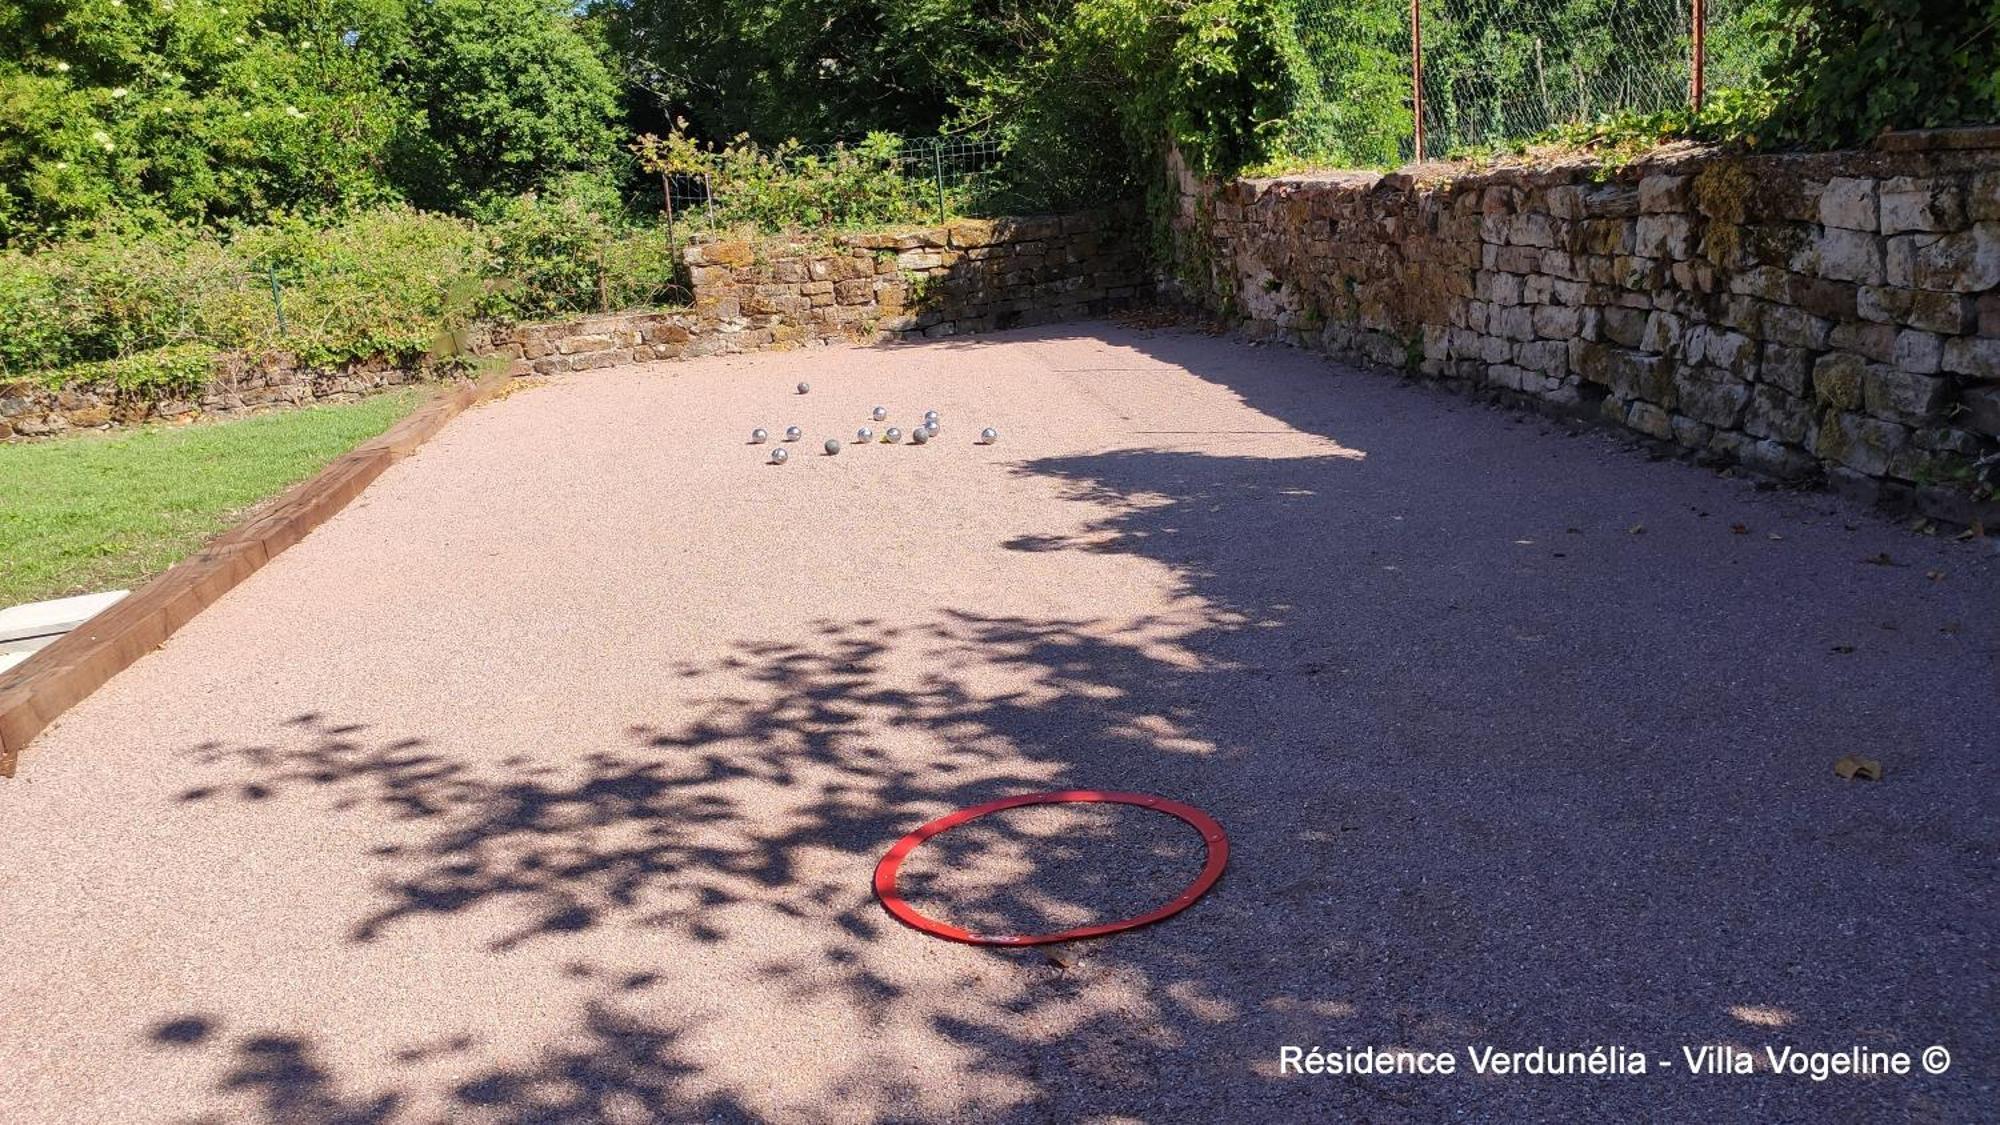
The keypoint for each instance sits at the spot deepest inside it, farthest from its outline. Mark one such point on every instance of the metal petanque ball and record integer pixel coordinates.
(920, 435)
(780, 455)
(864, 434)
(804, 387)
(880, 413)
(930, 417)
(832, 446)
(759, 436)
(932, 428)
(793, 433)
(989, 435)
(892, 435)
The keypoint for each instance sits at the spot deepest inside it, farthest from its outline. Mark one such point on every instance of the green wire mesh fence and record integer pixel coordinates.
(882, 179)
(1495, 71)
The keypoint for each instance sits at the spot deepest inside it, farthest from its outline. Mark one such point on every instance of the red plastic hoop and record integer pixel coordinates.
(1213, 839)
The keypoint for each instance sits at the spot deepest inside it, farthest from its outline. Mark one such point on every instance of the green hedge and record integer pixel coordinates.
(393, 282)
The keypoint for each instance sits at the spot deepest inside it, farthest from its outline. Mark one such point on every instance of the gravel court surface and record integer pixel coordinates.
(545, 782)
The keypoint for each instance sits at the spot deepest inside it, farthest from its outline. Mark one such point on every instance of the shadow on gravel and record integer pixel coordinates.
(1497, 770)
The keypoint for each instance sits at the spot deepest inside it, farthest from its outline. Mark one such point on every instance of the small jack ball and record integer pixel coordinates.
(920, 435)
(832, 446)
(759, 436)
(989, 435)
(780, 455)
(892, 435)
(793, 433)
(931, 417)
(880, 413)
(864, 434)
(804, 387)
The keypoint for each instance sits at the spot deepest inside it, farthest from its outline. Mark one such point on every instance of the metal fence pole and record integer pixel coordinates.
(1417, 73)
(937, 156)
(1697, 64)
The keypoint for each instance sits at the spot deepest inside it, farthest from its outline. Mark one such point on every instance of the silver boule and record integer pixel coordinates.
(759, 436)
(920, 435)
(989, 435)
(931, 416)
(793, 433)
(832, 446)
(864, 434)
(804, 387)
(892, 435)
(780, 455)
(879, 413)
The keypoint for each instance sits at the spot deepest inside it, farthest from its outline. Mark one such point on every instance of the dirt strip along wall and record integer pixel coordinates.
(1816, 316)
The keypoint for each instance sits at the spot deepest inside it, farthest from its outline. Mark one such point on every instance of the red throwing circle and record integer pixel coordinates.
(1212, 837)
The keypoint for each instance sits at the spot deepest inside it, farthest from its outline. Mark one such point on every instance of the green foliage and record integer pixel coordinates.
(509, 93)
(1855, 67)
(179, 368)
(822, 70)
(197, 111)
(883, 180)
(387, 282)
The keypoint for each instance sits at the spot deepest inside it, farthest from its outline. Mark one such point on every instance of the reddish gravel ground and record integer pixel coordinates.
(545, 782)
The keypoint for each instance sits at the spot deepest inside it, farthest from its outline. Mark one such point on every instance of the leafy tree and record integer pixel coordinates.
(508, 93)
(187, 109)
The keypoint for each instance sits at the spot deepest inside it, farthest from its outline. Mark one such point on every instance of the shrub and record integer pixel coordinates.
(1856, 67)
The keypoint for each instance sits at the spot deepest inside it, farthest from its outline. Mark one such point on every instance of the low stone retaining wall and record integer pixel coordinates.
(1826, 315)
(967, 276)
(242, 384)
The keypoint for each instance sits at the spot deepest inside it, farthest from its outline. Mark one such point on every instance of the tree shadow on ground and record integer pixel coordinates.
(1496, 770)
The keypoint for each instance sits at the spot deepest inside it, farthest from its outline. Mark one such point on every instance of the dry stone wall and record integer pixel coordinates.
(1831, 315)
(241, 384)
(966, 276)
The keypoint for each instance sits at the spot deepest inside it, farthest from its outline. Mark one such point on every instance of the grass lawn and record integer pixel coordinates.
(101, 511)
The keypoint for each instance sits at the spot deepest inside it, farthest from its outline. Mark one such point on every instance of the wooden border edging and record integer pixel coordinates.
(51, 681)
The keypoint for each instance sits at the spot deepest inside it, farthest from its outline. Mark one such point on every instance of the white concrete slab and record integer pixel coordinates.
(53, 618)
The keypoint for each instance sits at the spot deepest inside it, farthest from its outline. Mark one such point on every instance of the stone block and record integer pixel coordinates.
(1664, 236)
(1982, 410)
(1837, 378)
(1662, 334)
(1921, 204)
(1557, 322)
(1918, 352)
(1711, 401)
(1623, 326)
(1649, 419)
(1932, 311)
(1548, 357)
(1850, 204)
(1965, 262)
(1846, 255)
(1902, 396)
(1775, 413)
(1663, 193)
(1859, 442)
(1977, 356)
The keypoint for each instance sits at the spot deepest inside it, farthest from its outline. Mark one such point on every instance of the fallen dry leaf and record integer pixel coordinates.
(1851, 766)
(1636, 529)
(1843, 649)
(1934, 575)
(1740, 528)
(1775, 537)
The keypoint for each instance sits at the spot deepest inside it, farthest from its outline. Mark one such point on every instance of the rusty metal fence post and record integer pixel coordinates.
(1698, 51)
(1417, 72)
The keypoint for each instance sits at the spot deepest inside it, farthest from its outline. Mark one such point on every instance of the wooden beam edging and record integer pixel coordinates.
(37, 690)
